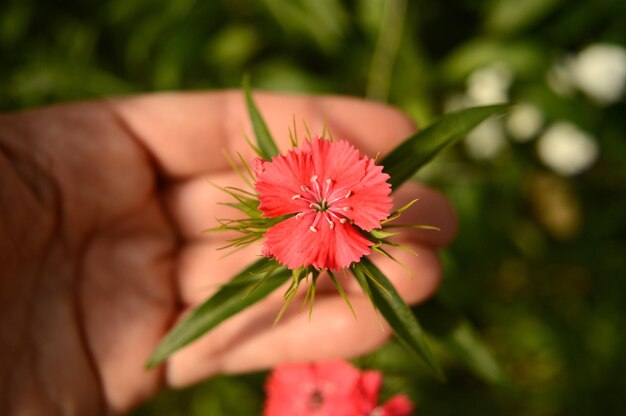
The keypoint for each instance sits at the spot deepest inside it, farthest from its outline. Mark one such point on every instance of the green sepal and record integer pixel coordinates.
(398, 315)
(230, 299)
(342, 293)
(406, 159)
(381, 234)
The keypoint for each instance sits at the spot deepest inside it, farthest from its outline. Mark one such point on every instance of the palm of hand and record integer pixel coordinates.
(95, 287)
(109, 256)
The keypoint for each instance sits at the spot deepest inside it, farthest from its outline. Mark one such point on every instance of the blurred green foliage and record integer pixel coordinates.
(531, 316)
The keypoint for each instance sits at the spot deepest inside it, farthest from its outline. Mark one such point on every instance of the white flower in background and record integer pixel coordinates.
(490, 84)
(524, 122)
(567, 149)
(599, 71)
(486, 141)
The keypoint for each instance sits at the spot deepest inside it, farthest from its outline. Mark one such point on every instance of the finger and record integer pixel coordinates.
(430, 209)
(332, 330)
(197, 204)
(240, 343)
(250, 342)
(203, 268)
(187, 133)
(415, 271)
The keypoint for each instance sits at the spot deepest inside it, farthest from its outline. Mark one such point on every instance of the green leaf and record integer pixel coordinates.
(513, 16)
(399, 316)
(229, 300)
(465, 343)
(267, 145)
(406, 159)
(456, 334)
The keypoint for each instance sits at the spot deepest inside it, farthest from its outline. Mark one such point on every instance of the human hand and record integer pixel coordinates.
(102, 204)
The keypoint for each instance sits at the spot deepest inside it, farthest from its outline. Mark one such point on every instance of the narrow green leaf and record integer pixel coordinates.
(406, 159)
(399, 316)
(229, 300)
(472, 351)
(456, 335)
(267, 145)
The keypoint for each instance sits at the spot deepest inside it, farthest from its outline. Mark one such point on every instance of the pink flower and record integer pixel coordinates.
(398, 405)
(329, 388)
(335, 194)
(314, 389)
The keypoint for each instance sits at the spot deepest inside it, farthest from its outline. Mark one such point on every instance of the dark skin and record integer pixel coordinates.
(101, 204)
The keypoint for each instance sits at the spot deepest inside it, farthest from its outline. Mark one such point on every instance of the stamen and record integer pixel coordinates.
(315, 221)
(347, 195)
(304, 188)
(346, 208)
(333, 214)
(296, 196)
(328, 183)
(317, 193)
(330, 222)
(343, 220)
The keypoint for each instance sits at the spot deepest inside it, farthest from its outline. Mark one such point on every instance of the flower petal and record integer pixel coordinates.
(370, 200)
(293, 243)
(279, 180)
(338, 161)
(371, 381)
(308, 389)
(337, 377)
(289, 388)
(398, 405)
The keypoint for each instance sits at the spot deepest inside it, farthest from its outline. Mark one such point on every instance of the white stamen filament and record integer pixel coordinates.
(315, 221)
(330, 222)
(333, 214)
(320, 202)
(328, 183)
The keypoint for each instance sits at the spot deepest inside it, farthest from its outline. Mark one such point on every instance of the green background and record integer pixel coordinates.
(531, 317)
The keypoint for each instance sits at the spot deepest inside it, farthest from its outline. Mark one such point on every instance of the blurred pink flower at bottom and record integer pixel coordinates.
(329, 388)
(398, 405)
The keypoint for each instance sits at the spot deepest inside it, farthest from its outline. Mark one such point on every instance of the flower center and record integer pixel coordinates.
(324, 202)
(316, 400)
